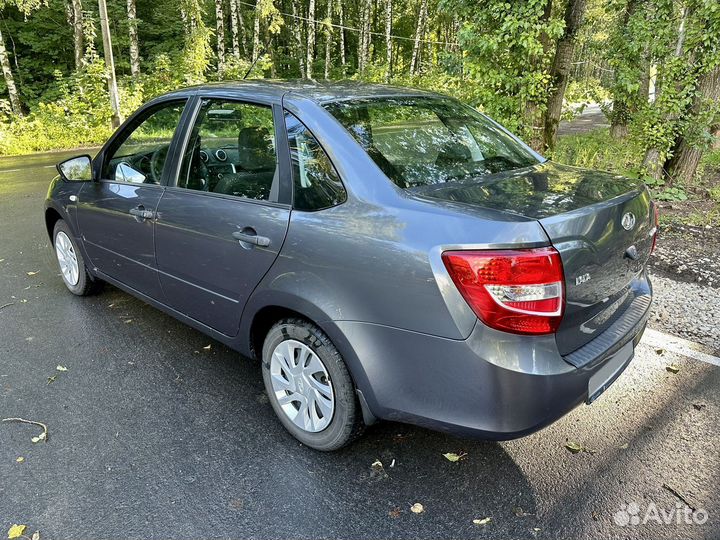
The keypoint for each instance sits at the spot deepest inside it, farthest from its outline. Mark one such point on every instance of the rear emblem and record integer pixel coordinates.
(628, 221)
(579, 280)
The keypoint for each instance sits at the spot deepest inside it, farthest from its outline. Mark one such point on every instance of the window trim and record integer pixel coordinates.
(281, 150)
(292, 169)
(129, 126)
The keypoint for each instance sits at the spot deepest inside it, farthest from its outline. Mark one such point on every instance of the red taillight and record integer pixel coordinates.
(518, 291)
(655, 230)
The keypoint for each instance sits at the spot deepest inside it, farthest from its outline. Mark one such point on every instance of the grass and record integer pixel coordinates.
(597, 150)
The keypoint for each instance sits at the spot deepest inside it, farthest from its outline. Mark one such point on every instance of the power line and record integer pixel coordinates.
(352, 29)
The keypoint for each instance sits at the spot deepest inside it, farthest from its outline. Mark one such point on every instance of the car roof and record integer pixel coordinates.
(318, 91)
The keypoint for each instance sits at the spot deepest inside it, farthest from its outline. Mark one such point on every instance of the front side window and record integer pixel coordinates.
(316, 183)
(141, 155)
(231, 151)
(424, 141)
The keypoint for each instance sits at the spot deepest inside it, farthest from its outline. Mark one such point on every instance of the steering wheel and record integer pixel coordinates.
(156, 163)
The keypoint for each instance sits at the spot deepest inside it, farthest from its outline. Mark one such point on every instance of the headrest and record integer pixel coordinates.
(256, 151)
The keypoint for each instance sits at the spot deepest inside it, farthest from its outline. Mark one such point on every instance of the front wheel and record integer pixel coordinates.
(309, 386)
(72, 266)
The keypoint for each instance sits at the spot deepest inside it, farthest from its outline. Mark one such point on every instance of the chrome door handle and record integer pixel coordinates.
(254, 239)
(142, 213)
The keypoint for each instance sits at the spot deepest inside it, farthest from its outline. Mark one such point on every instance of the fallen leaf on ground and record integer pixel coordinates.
(16, 531)
(659, 351)
(483, 521)
(51, 379)
(61, 368)
(394, 513)
(672, 368)
(31, 273)
(451, 456)
(417, 508)
(20, 459)
(574, 447)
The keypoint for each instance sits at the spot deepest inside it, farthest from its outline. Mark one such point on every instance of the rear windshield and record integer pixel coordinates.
(422, 141)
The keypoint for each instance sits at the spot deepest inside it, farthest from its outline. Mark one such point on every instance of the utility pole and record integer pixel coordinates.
(109, 65)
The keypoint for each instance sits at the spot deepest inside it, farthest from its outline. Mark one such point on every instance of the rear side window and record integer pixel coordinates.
(317, 184)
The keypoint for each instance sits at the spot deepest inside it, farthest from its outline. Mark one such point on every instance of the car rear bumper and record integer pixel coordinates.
(493, 385)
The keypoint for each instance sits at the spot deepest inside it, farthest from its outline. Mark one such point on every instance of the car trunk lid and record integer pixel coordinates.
(601, 224)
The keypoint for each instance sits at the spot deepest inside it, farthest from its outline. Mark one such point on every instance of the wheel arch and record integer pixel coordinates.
(52, 216)
(268, 307)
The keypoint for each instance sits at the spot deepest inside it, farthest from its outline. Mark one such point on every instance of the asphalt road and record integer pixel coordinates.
(151, 435)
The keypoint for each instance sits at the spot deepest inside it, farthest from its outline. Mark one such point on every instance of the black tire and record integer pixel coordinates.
(346, 421)
(86, 284)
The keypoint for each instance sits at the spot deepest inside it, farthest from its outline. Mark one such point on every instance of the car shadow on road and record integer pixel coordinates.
(159, 420)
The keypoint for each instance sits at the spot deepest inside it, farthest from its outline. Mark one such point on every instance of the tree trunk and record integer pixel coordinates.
(134, 49)
(574, 13)
(109, 65)
(189, 11)
(9, 79)
(620, 115)
(644, 90)
(256, 33)
(243, 31)
(78, 36)
(310, 40)
(271, 52)
(364, 41)
(686, 156)
(234, 29)
(388, 40)
(652, 161)
(328, 40)
(419, 30)
(534, 116)
(619, 119)
(341, 20)
(220, 34)
(297, 34)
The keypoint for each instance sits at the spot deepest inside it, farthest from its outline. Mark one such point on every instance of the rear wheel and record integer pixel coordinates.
(309, 386)
(72, 266)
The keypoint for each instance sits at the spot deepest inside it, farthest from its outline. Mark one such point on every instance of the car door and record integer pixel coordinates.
(116, 214)
(221, 223)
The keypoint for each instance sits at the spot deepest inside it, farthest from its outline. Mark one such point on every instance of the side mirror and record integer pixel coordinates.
(77, 169)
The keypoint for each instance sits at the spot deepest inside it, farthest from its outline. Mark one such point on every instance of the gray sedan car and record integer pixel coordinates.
(386, 253)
